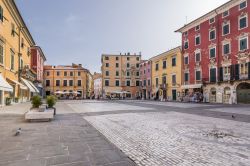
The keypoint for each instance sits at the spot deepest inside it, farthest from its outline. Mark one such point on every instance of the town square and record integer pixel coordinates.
(124, 83)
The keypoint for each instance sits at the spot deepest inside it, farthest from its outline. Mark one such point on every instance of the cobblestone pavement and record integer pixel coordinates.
(69, 140)
(176, 133)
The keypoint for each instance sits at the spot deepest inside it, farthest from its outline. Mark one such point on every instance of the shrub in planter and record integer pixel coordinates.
(36, 101)
(51, 101)
(8, 101)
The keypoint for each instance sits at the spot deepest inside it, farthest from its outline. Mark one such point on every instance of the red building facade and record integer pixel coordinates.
(37, 62)
(216, 54)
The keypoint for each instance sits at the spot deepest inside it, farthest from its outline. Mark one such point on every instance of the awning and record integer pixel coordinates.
(34, 86)
(18, 83)
(4, 85)
(26, 82)
(193, 86)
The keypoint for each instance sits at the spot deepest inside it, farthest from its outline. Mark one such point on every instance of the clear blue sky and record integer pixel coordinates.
(79, 31)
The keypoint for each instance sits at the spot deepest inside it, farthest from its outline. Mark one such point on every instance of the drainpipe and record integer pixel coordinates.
(217, 44)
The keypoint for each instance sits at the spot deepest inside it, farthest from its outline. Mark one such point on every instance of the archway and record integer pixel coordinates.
(243, 93)
(226, 95)
(212, 98)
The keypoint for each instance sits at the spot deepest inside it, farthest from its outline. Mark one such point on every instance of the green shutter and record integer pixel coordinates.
(237, 74)
(221, 74)
(249, 70)
(232, 72)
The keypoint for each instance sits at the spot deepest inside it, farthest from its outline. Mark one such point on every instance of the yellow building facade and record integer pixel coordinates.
(15, 44)
(69, 80)
(167, 75)
(121, 75)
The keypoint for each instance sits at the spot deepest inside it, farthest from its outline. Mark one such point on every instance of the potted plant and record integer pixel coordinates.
(8, 101)
(16, 99)
(51, 101)
(36, 102)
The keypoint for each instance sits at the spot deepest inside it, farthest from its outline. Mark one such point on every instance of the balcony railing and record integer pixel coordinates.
(226, 77)
(243, 76)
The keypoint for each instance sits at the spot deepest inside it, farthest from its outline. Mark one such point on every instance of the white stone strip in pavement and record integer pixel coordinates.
(158, 139)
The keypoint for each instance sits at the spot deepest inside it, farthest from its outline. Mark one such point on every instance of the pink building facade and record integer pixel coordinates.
(37, 62)
(216, 54)
(145, 80)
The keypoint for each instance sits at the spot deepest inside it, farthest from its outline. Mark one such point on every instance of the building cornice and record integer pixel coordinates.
(167, 53)
(226, 6)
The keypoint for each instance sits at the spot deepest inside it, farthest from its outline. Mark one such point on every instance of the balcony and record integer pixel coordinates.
(243, 76)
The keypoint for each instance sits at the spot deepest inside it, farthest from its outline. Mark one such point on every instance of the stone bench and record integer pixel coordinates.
(40, 114)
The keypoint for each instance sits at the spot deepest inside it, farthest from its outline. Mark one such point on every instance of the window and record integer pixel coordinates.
(212, 52)
(213, 75)
(1, 53)
(156, 82)
(185, 45)
(144, 82)
(164, 64)
(243, 5)
(212, 20)
(226, 49)
(197, 57)
(128, 73)
(22, 43)
(1, 13)
(212, 35)
(226, 29)
(243, 44)
(117, 83)
(137, 73)
(244, 69)
(128, 65)
(106, 58)
(70, 82)
(164, 79)
(58, 73)
(117, 65)
(137, 83)
(128, 58)
(148, 70)
(197, 40)
(65, 73)
(79, 73)
(137, 58)
(144, 71)
(71, 73)
(197, 28)
(198, 75)
(186, 77)
(13, 28)
(225, 14)
(107, 73)
(65, 83)
(12, 56)
(117, 73)
(185, 33)
(107, 64)
(47, 73)
(21, 66)
(156, 66)
(47, 82)
(128, 82)
(57, 82)
(79, 82)
(173, 79)
(149, 82)
(117, 58)
(137, 65)
(186, 60)
(173, 61)
(106, 82)
(243, 22)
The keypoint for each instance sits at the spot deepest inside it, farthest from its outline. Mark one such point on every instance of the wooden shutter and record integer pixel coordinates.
(221, 74)
(232, 72)
(1, 13)
(249, 70)
(237, 74)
